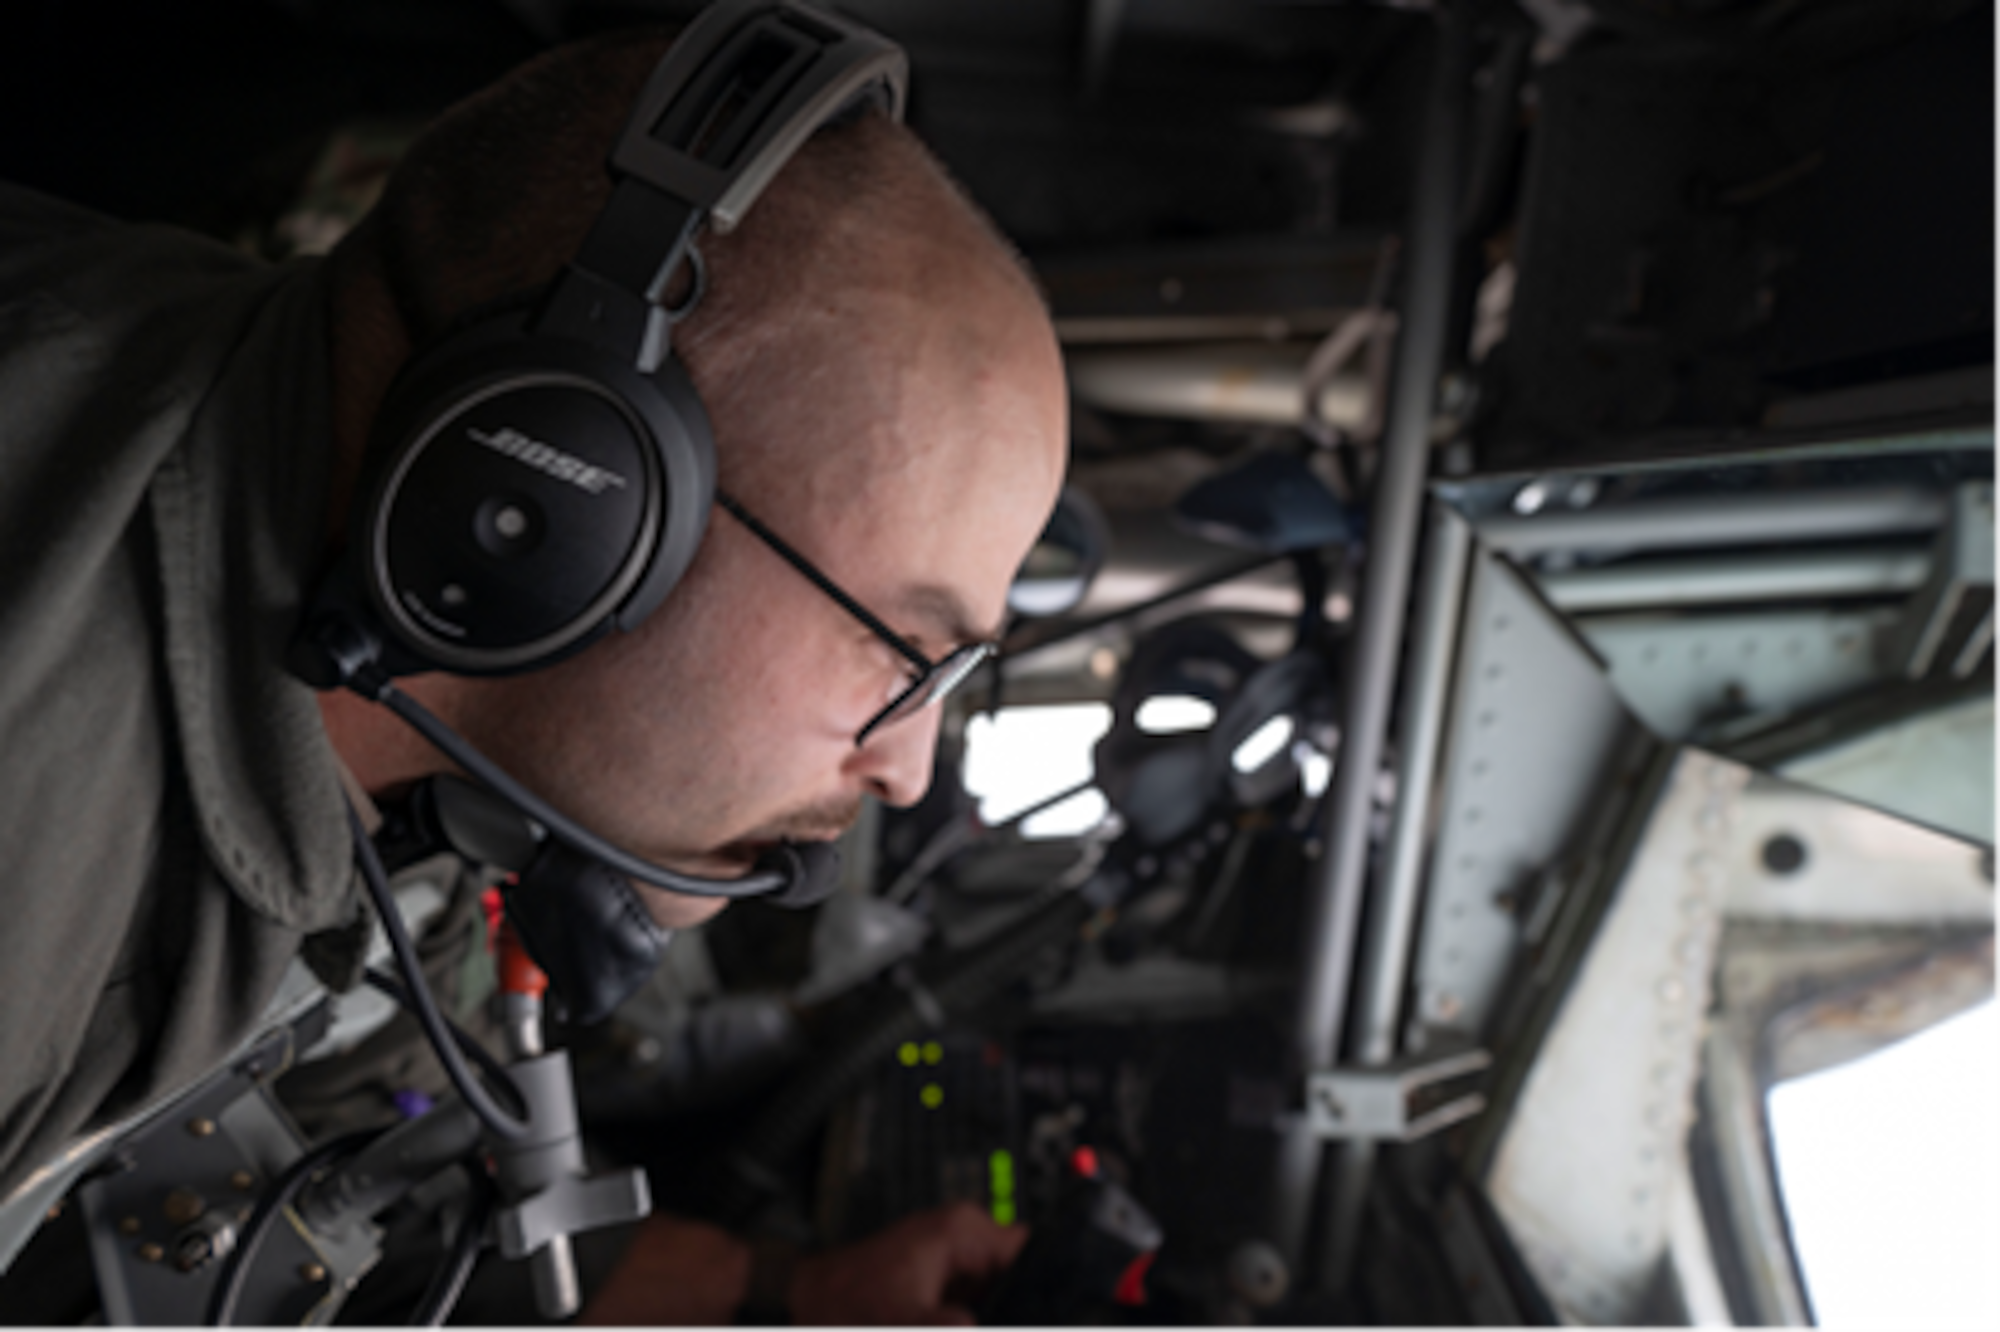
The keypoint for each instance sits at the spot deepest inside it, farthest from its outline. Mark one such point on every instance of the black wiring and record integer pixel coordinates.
(236, 1267)
(448, 1040)
(504, 1125)
(448, 1283)
(479, 1054)
(380, 689)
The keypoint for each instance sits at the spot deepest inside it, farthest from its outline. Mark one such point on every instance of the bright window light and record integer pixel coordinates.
(1262, 745)
(1892, 1181)
(1169, 714)
(1025, 755)
(1315, 770)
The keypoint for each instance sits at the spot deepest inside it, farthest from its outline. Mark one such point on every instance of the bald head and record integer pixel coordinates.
(861, 235)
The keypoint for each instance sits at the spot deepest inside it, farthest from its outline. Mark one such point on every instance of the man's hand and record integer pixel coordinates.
(675, 1273)
(925, 1269)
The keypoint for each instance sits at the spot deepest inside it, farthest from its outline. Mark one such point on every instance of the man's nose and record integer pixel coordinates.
(895, 762)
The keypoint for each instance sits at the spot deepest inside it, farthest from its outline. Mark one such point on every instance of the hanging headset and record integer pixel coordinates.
(542, 478)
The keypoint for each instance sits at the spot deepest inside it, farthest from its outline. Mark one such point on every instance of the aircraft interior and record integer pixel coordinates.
(1508, 687)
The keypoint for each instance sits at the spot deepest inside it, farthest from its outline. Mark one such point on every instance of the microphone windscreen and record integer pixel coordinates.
(811, 871)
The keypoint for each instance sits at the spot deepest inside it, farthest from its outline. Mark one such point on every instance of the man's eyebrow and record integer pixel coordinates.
(941, 608)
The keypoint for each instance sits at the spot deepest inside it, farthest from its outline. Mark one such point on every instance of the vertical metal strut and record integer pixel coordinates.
(1334, 902)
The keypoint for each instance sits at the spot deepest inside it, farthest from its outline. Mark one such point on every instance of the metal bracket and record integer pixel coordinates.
(169, 1205)
(1951, 618)
(1399, 1102)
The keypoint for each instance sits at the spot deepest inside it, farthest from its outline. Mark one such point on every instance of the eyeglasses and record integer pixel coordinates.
(930, 681)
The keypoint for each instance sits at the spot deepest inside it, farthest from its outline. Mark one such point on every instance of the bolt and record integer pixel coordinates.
(1784, 854)
(192, 1251)
(201, 1128)
(243, 1181)
(151, 1253)
(184, 1207)
(312, 1272)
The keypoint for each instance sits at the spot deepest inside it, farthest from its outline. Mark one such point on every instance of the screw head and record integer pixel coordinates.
(184, 1207)
(151, 1253)
(313, 1272)
(201, 1128)
(242, 1181)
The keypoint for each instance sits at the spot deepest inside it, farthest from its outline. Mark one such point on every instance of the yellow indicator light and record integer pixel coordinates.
(1003, 1212)
(908, 1054)
(932, 1096)
(933, 1053)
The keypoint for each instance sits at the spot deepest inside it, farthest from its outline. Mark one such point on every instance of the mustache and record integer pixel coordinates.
(818, 822)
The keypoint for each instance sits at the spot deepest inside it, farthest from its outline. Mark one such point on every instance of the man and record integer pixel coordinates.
(185, 436)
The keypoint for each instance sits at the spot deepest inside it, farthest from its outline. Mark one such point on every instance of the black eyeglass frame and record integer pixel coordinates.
(934, 680)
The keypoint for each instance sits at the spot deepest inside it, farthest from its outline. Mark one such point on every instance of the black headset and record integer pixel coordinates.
(544, 475)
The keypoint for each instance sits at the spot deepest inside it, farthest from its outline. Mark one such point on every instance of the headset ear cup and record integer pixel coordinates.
(685, 445)
(532, 494)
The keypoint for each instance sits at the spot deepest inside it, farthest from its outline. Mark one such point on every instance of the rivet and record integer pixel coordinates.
(312, 1272)
(151, 1253)
(184, 1207)
(201, 1128)
(128, 1225)
(243, 1181)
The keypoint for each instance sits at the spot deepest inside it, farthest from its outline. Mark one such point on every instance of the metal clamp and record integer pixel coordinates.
(1399, 1102)
(1951, 617)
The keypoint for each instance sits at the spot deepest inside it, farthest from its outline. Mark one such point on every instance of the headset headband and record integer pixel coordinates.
(743, 88)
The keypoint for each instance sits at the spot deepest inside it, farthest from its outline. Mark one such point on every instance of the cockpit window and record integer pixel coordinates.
(1021, 757)
(1891, 1181)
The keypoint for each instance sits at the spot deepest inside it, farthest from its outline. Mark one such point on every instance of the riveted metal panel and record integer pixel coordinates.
(1535, 725)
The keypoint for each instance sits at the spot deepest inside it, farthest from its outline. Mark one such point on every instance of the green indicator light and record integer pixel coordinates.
(908, 1054)
(933, 1053)
(1003, 1211)
(1000, 1169)
(932, 1096)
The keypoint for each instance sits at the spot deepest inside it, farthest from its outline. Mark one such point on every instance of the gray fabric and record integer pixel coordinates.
(170, 818)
